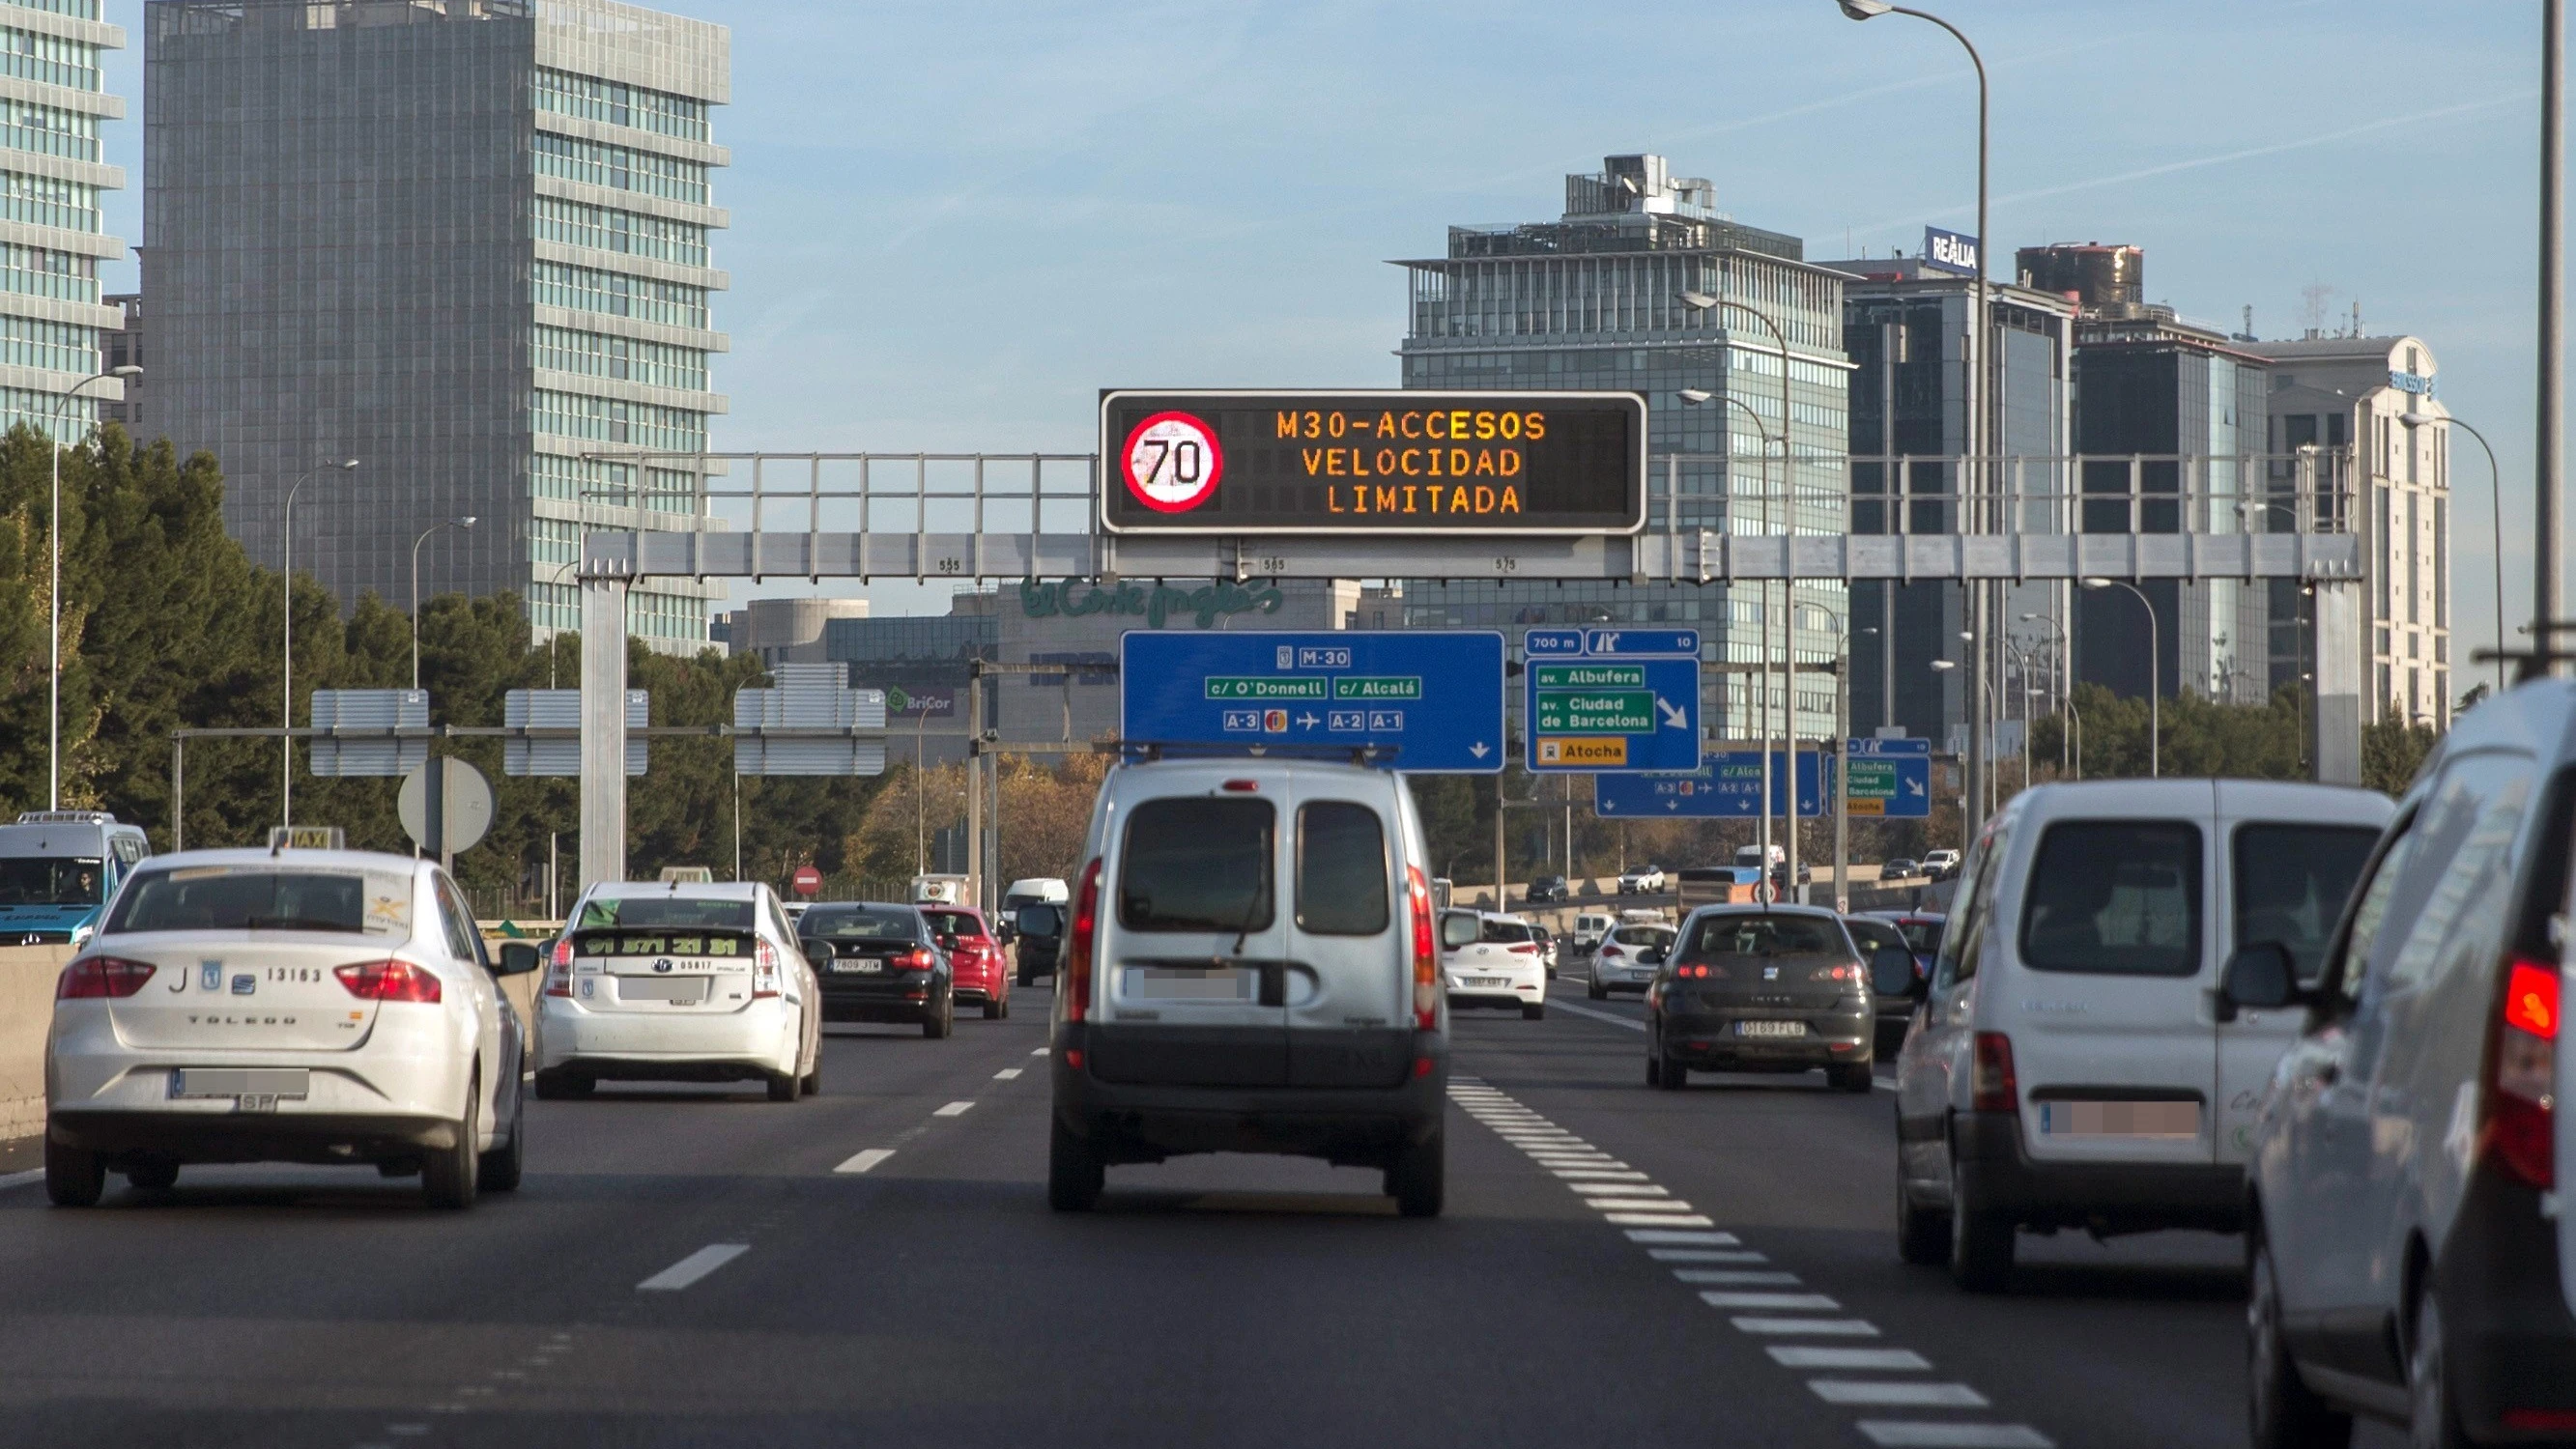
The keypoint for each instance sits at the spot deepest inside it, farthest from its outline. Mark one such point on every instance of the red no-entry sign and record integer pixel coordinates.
(807, 881)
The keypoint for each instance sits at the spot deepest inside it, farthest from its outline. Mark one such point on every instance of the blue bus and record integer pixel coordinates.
(58, 871)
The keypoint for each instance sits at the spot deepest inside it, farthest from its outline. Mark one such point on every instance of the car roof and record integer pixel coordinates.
(869, 906)
(2538, 716)
(376, 860)
(1145, 779)
(2201, 795)
(723, 890)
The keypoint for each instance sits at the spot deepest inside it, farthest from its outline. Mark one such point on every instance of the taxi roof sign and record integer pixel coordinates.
(306, 837)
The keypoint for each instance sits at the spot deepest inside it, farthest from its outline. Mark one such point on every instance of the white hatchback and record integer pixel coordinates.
(1492, 960)
(319, 1006)
(679, 982)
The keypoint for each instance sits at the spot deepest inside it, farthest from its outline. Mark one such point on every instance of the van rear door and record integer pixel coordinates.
(1350, 972)
(1194, 941)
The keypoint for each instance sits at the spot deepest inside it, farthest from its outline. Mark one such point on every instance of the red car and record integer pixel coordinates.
(975, 959)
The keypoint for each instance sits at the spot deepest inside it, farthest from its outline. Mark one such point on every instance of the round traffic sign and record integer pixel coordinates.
(807, 881)
(465, 806)
(1172, 462)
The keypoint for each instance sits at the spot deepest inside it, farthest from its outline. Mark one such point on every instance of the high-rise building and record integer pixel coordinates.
(1617, 294)
(463, 241)
(124, 348)
(51, 180)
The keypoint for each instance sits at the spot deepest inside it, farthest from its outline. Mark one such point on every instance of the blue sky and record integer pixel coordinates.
(953, 224)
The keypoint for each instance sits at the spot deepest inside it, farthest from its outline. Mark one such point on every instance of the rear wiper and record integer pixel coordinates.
(293, 923)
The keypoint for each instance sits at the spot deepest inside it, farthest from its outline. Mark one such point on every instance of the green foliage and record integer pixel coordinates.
(2393, 750)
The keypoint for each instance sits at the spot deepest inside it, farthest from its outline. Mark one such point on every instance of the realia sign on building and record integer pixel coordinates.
(1949, 251)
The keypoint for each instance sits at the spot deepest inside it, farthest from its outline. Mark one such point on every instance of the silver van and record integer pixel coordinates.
(2403, 1259)
(1251, 966)
(2070, 1066)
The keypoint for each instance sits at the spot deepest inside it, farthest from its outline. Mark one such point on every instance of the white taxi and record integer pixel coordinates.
(1488, 959)
(681, 982)
(317, 1006)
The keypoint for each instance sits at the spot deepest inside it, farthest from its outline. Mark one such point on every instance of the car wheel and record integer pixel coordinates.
(1981, 1239)
(993, 1009)
(1418, 1178)
(1663, 1069)
(1074, 1174)
(73, 1177)
(560, 1085)
(1596, 990)
(782, 1085)
(152, 1176)
(1026, 977)
(2433, 1416)
(1848, 1077)
(1533, 1011)
(1922, 1234)
(2283, 1413)
(503, 1166)
(447, 1176)
(941, 1020)
(812, 1082)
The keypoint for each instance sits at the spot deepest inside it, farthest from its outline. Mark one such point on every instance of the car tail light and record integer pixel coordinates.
(388, 981)
(107, 976)
(1426, 952)
(1611, 951)
(1993, 1086)
(1243, 787)
(559, 974)
(764, 970)
(1525, 949)
(2518, 1097)
(919, 958)
(1694, 972)
(1078, 943)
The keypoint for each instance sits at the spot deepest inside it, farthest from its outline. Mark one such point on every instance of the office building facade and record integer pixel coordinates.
(1597, 300)
(466, 242)
(52, 237)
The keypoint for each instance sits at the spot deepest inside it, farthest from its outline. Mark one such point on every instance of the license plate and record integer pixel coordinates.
(677, 990)
(248, 1085)
(1770, 1028)
(1491, 981)
(2178, 1121)
(1169, 983)
(857, 968)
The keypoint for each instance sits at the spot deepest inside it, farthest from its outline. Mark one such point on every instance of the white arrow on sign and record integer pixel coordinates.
(1914, 787)
(1477, 749)
(1674, 718)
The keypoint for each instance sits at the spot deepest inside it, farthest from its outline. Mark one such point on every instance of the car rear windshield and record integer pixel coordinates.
(1657, 937)
(2114, 898)
(216, 898)
(2291, 884)
(1341, 869)
(950, 923)
(1923, 936)
(1198, 863)
(1505, 932)
(1876, 935)
(1719, 937)
(860, 925)
(676, 911)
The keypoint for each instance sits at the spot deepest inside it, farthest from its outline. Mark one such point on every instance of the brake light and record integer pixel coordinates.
(764, 969)
(920, 959)
(1243, 787)
(1611, 951)
(559, 974)
(1426, 952)
(1694, 972)
(388, 981)
(2519, 1093)
(1525, 949)
(1993, 1087)
(1078, 942)
(101, 976)
(563, 952)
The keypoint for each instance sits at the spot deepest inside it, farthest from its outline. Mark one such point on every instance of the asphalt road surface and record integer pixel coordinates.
(698, 1266)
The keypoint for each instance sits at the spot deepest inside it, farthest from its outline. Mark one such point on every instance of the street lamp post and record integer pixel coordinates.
(1974, 361)
(2155, 687)
(54, 610)
(463, 523)
(2065, 694)
(286, 649)
(1694, 397)
(2495, 516)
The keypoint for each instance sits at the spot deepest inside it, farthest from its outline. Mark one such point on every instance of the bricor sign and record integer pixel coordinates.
(1401, 461)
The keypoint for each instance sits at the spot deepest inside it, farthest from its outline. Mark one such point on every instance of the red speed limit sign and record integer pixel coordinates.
(1172, 462)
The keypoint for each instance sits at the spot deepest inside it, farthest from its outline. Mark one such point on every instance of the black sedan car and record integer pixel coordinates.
(880, 962)
(1873, 934)
(1764, 989)
(1545, 889)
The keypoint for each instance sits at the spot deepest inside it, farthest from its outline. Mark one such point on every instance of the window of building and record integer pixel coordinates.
(615, 294)
(620, 168)
(49, 59)
(619, 104)
(591, 354)
(616, 420)
(47, 201)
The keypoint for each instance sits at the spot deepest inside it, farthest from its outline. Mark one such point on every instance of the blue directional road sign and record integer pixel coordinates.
(1611, 700)
(1433, 698)
(1728, 787)
(1891, 778)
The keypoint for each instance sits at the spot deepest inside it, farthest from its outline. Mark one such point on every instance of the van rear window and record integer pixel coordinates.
(1341, 869)
(2291, 884)
(1198, 864)
(2114, 898)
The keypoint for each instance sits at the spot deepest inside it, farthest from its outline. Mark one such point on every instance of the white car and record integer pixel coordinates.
(1641, 880)
(318, 1006)
(1937, 861)
(679, 983)
(1492, 960)
(1628, 957)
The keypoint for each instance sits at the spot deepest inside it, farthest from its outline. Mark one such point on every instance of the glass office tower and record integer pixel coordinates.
(51, 179)
(464, 241)
(1596, 300)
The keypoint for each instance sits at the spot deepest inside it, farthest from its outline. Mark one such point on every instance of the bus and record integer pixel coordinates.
(58, 871)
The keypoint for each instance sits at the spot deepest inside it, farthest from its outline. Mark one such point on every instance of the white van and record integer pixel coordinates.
(1251, 967)
(939, 890)
(2068, 1067)
(1589, 928)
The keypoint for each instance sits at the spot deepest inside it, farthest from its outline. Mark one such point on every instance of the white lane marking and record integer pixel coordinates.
(406, 1428)
(1041, 1051)
(1634, 1204)
(1716, 1277)
(1794, 1355)
(866, 1160)
(1776, 1302)
(1006, 1074)
(29, 1178)
(1919, 1434)
(1597, 1174)
(1704, 1240)
(954, 1109)
(1667, 1220)
(1883, 1084)
(1885, 1391)
(1598, 1015)
(693, 1267)
(1615, 1196)
(1705, 1255)
(1808, 1327)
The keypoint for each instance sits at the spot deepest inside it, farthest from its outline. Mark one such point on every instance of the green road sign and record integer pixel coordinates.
(1597, 711)
(1379, 686)
(1873, 779)
(1590, 676)
(1293, 686)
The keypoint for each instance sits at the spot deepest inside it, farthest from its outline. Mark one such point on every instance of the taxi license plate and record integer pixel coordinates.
(252, 1089)
(1770, 1028)
(859, 967)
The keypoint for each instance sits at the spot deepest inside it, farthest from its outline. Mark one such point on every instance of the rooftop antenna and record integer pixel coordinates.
(2249, 323)
(2312, 309)
(2356, 316)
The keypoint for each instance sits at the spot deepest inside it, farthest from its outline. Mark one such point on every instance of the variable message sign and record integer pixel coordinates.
(1433, 700)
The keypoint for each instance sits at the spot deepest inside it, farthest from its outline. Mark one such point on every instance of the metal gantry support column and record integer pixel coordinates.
(603, 729)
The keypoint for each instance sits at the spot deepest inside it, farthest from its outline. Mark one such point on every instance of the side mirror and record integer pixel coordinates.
(1457, 931)
(817, 949)
(2257, 976)
(1891, 971)
(518, 958)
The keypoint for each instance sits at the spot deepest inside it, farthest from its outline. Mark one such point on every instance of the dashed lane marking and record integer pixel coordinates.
(1041, 1051)
(1775, 1302)
(1722, 1278)
(866, 1160)
(1704, 1240)
(1916, 1434)
(693, 1267)
(1668, 1220)
(954, 1109)
(1006, 1074)
(28, 1178)
(1800, 1355)
(1598, 1015)
(1705, 1255)
(1912, 1392)
(1807, 1327)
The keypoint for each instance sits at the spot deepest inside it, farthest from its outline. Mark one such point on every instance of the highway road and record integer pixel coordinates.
(697, 1266)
